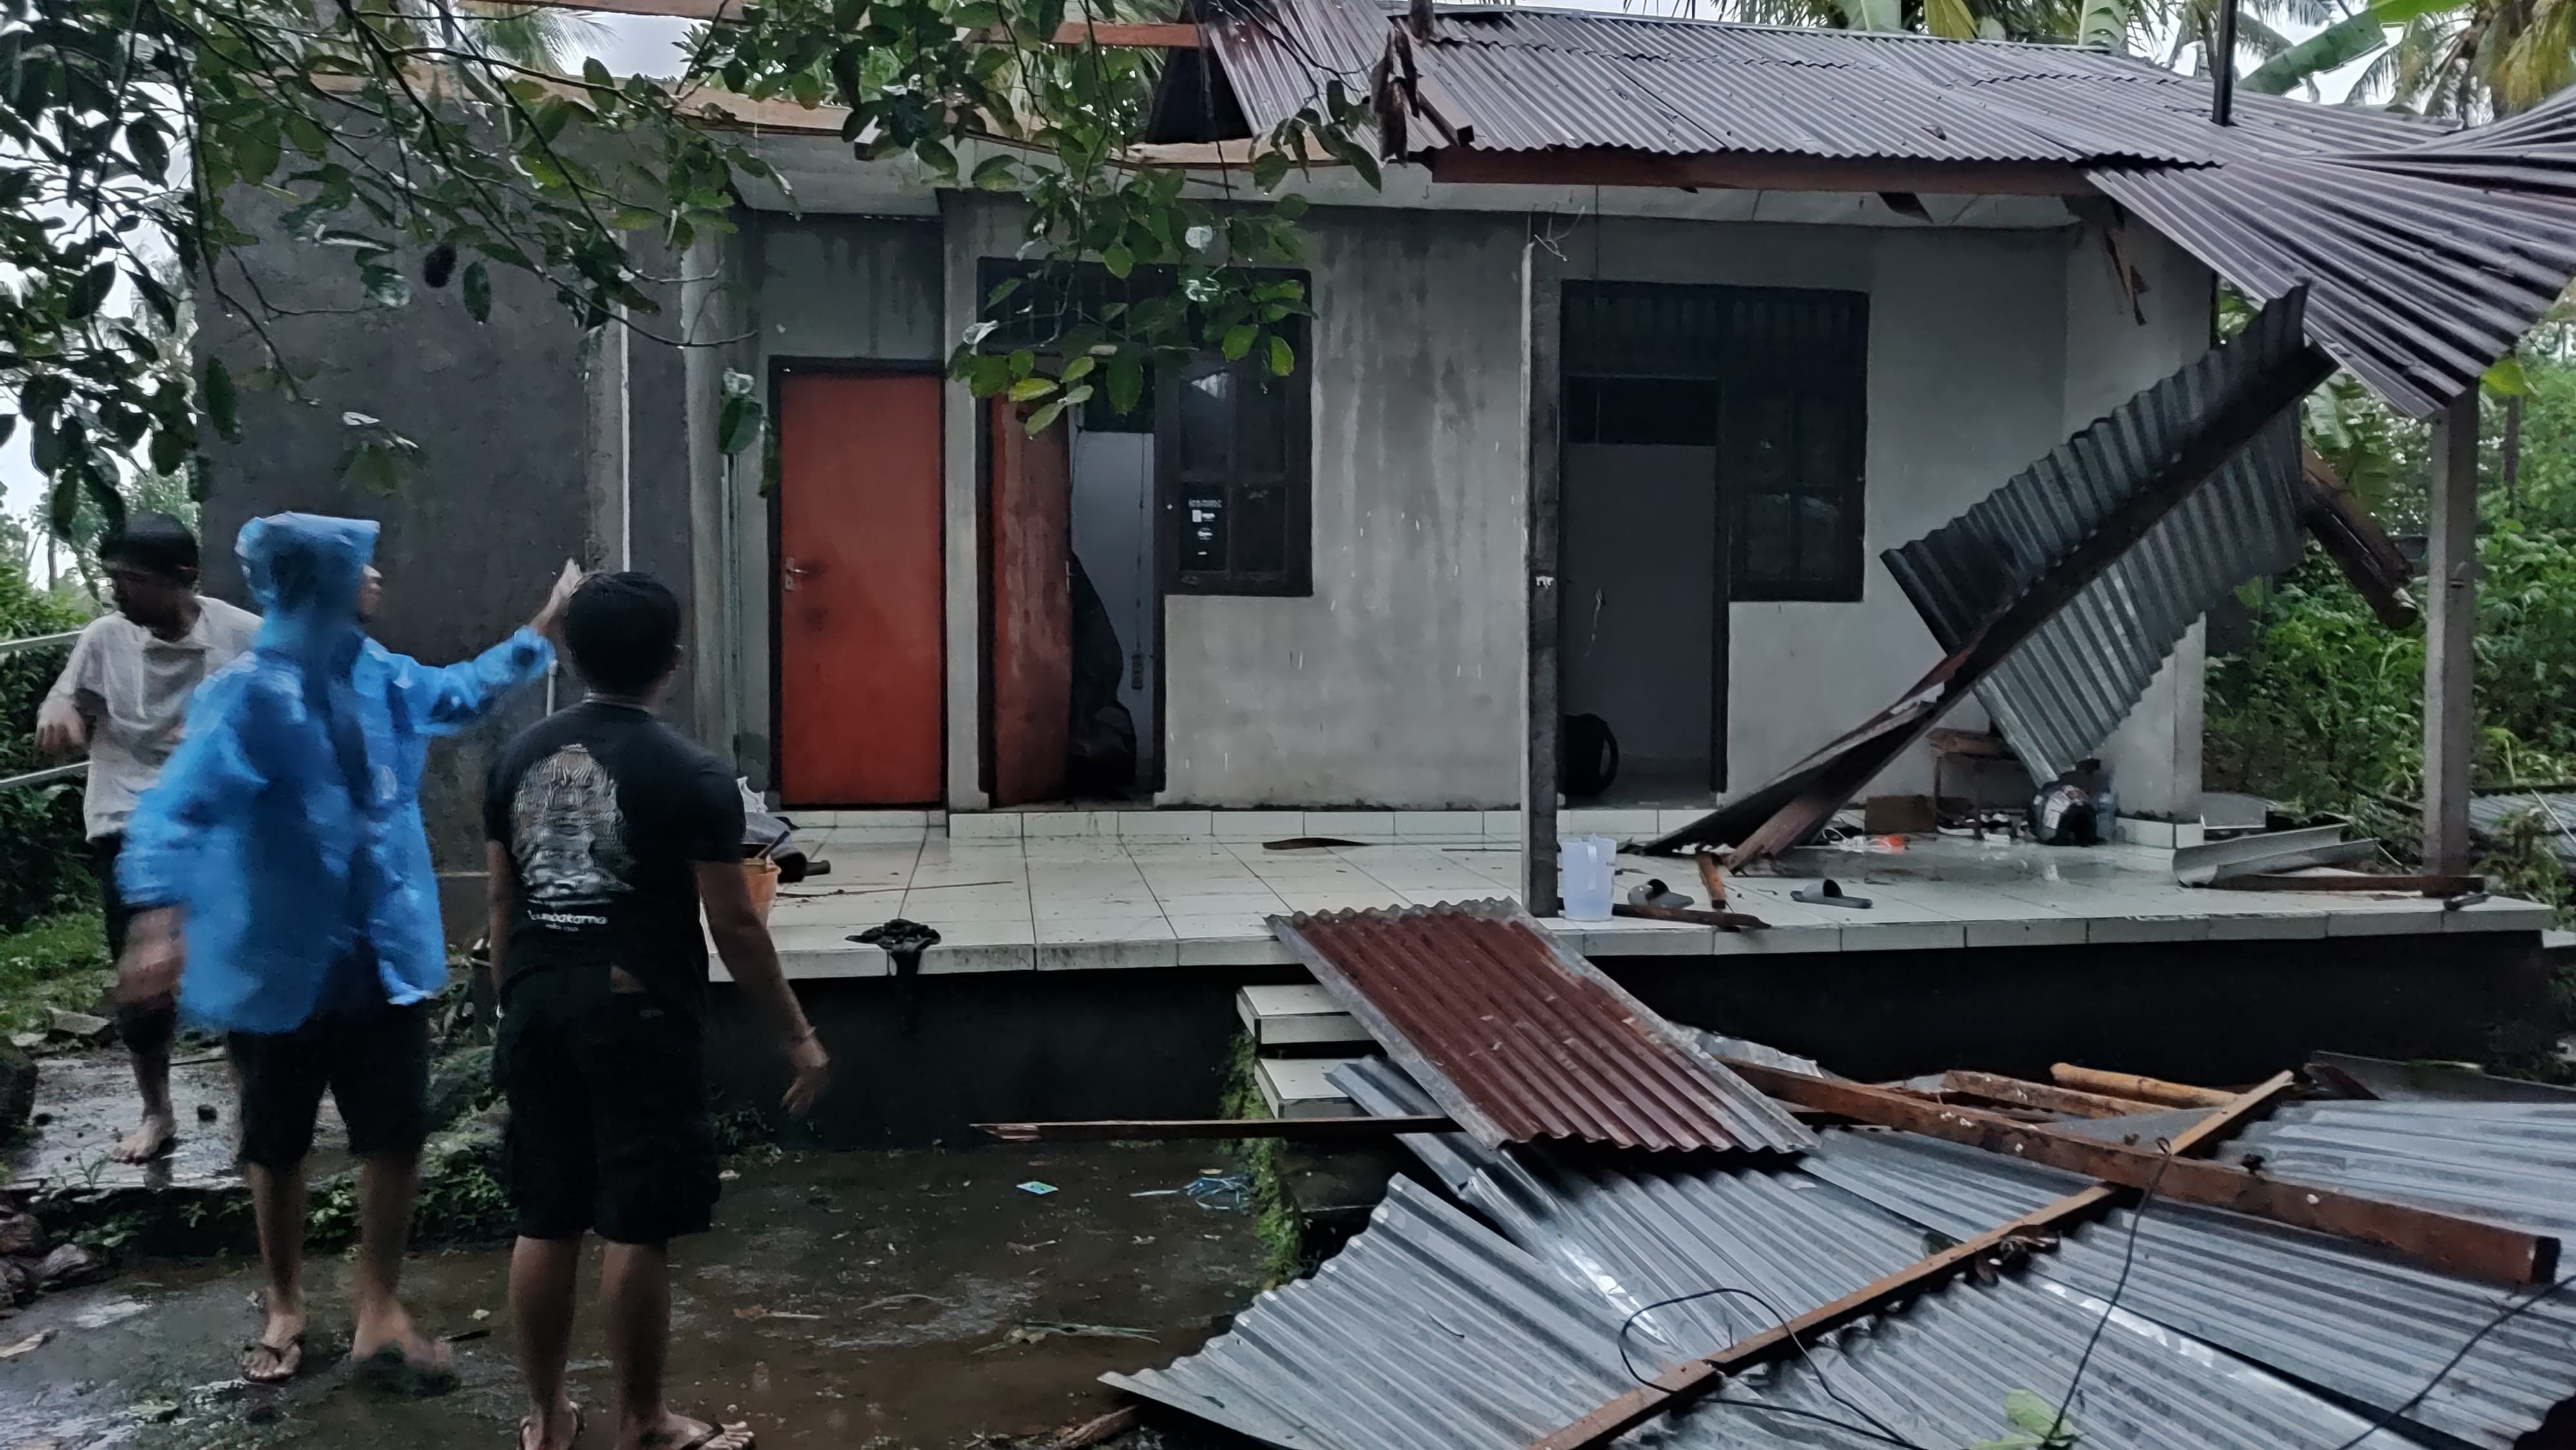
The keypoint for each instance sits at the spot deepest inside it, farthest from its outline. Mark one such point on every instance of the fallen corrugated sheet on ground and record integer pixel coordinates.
(2059, 595)
(1495, 1325)
(1520, 1039)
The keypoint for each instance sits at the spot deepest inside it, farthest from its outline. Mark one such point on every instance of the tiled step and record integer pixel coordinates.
(1296, 1087)
(1301, 1015)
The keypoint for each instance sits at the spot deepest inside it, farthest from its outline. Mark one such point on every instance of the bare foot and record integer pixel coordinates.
(157, 1134)
(561, 1428)
(679, 1432)
(278, 1354)
(388, 1345)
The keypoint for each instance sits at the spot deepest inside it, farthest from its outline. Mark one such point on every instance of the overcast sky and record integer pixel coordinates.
(647, 45)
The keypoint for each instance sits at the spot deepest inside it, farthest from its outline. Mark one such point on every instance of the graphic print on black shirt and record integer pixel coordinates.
(606, 814)
(569, 840)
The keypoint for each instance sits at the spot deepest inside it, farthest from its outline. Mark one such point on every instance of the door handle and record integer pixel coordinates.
(793, 572)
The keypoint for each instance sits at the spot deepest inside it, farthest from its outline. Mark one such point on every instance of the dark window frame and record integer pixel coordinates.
(1750, 347)
(1048, 291)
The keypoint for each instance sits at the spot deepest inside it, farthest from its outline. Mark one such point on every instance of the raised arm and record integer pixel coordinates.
(442, 699)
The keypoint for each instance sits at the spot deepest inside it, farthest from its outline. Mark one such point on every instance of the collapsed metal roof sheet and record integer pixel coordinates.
(1521, 1039)
(2064, 690)
(2492, 812)
(2428, 262)
(1438, 1328)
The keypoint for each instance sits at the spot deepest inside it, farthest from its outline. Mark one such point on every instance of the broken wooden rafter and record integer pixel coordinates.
(2362, 549)
(1995, 1088)
(2147, 1091)
(2443, 1241)
(1690, 916)
(1687, 1382)
(1617, 166)
(1108, 1130)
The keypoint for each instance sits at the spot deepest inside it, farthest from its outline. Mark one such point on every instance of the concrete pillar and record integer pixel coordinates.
(608, 470)
(1542, 293)
(2450, 578)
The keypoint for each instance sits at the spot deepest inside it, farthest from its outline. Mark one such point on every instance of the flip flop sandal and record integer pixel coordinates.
(288, 1358)
(1829, 893)
(721, 1437)
(529, 1422)
(393, 1370)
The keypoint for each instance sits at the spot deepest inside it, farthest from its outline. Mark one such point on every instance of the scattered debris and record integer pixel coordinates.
(1036, 1187)
(71, 1264)
(1030, 1248)
(1655, 893)
(1311, 843)
(1095, 1431)
(83, 1028)
(207, 1113)
(1038, 1331)
(28, 1345)
(1226, 1193)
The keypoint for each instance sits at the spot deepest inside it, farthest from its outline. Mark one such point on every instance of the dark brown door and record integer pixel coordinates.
(1032, 607)
(860, 675)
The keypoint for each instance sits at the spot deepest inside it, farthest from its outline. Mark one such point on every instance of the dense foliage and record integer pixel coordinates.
(139, 134)
(43, 861)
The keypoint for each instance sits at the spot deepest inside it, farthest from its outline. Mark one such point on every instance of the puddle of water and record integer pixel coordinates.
(846, 1299)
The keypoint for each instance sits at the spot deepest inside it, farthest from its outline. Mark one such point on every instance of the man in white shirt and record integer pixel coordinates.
(125, 696)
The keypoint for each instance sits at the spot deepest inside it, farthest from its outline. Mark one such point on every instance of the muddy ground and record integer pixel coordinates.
(912, 1299)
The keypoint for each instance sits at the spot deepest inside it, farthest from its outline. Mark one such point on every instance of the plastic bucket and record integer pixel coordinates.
(1584, 866)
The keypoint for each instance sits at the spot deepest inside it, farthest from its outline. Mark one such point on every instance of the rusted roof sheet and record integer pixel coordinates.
(1520, 1039)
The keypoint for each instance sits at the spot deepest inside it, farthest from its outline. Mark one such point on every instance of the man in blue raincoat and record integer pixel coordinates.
(281, 881)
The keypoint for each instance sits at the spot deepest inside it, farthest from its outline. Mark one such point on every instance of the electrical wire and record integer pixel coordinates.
(2119, 1287)
(2509, 1314)
(1883, 1431)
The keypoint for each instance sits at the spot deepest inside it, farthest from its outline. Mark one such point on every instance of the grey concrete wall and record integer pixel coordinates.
(1399, 682)
(514, 454)
(469, 546)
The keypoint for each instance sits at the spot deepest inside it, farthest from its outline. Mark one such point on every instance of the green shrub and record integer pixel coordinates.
(44, 858)
(2325, 710)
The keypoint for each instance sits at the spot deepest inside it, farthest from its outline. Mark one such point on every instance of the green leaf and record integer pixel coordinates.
(477, 287)
(1023, 362)
(1126, 383)
(1078, 368)
(1027, 388)
(1872, 14)
(2101, 25)
(2335, 46)
(1271, 167)
(387, 287)
(155, 296)
(255, 151)
(995, 173)
(1238, 340)
(1949, 19)
(2029, 1412)
(223, 405)
(1044, 418)
(596, 76)
(1118, 259)
(88, 292)
(2506, 379)
(170, 449)
(1283, 359)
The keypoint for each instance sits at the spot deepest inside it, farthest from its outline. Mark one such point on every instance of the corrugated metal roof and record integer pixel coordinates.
(2430, 251)
(1435, 1328)
(1521, 1039)
(2491, 811)
(2065, 689)
(2428, 262)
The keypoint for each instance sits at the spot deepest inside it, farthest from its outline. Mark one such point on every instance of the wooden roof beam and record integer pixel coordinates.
(1144, 36)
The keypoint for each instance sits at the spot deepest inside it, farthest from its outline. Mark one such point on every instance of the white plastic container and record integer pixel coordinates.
(1584, 866)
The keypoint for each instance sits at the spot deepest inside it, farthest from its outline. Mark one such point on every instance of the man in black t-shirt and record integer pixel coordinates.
(607, 831)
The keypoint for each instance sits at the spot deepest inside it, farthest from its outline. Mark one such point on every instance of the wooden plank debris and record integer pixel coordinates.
(1690, 916)
(2136, 1088)
(1115, 1130)
(1702, 1376)
(2452, 1244)
(1995, 1088)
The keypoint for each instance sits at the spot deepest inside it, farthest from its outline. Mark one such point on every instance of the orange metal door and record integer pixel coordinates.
(859, 590)
(1032, 541)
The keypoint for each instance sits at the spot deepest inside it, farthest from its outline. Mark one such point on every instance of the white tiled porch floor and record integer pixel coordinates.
(1045, 902)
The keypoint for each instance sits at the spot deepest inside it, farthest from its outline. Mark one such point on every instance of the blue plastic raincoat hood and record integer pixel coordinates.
(287, 824)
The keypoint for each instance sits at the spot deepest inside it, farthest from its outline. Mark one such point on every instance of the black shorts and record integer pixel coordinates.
(609, 1130)
(375, 1061)
(142, 1026)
